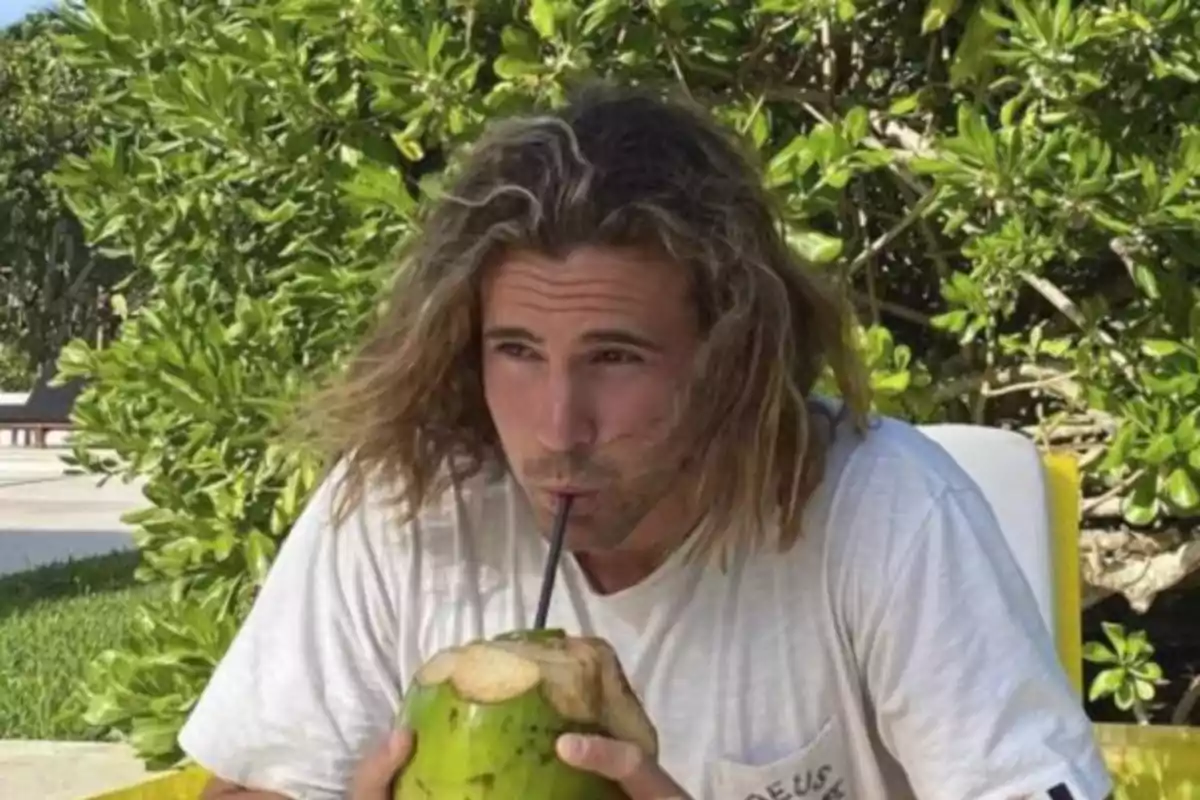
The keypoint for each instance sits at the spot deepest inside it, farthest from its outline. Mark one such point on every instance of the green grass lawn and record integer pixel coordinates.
(54, 621)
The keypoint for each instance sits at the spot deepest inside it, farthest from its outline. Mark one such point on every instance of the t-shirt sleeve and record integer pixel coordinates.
(310, 681)
(961, 672)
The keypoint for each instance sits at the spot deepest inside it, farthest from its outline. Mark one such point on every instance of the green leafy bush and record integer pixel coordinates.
(16, 373)
(1130, 676)
(53, 287)
(1006, 189)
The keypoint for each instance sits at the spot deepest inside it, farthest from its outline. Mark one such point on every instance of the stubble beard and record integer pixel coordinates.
(622, 503)
(624, 508)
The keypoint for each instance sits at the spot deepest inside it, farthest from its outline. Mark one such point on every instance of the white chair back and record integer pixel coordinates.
(1008, 468)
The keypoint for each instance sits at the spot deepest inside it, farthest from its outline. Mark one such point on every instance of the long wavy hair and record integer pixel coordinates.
(612, 167)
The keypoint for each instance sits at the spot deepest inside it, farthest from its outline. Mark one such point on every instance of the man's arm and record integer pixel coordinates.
(374, 776)
(963, 676)
(312, 679)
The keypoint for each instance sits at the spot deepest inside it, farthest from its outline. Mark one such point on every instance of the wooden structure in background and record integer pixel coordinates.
(48, 408)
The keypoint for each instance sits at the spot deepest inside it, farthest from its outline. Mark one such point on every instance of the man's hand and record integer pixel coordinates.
(624, 762)
(374, 776)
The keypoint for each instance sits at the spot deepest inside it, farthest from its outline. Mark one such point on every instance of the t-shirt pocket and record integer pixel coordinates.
(819, 770)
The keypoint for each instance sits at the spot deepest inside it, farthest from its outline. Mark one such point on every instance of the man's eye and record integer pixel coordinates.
(617, 357)
(514, 349)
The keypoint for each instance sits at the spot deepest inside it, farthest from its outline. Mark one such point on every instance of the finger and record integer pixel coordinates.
(623, 762)
(375, 773)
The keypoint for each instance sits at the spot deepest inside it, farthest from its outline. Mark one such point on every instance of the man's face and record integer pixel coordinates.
(583, 359)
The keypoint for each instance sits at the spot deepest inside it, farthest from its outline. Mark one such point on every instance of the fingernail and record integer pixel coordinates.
(570, 746)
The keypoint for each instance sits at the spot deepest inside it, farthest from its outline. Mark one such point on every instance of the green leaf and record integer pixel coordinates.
(974, 57)
(936, 14)
(1097, 653)
(1137, 646)
(1115, 632)
(856, 124)
(543, 17)
(816, 247)
(1160, 449)
(1187, 436)
(511, 68)
(1123, 696)
(1106, 683)
(1160, 348)
(1146, 280)
(953, 321)
(599, 13)
(1149, 671)
(153, 735)
(891, 383)
(104, 710)
(905, 104)
(259, 552)
(1181, 490)
(1119, 448)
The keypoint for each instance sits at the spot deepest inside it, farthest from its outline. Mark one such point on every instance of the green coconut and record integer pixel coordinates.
(487, 714)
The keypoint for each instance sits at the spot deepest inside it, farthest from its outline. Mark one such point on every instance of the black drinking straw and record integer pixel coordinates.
(556, 543)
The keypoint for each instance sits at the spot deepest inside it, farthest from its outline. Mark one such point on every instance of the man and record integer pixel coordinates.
(807, 604)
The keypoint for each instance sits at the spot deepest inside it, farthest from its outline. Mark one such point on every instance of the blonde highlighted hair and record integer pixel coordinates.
(613, 167)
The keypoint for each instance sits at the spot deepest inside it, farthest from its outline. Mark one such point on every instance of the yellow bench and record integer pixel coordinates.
(1147, 762)
(182, 784)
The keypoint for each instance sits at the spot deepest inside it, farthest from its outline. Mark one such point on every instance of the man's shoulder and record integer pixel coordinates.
(881, 488)
(468, 518)
(455, 500)
(893, 456)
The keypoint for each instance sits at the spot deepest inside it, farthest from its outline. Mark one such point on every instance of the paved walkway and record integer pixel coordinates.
(47, 515)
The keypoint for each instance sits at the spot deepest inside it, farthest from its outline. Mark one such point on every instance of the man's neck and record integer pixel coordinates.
(609, 573)
(612, 571)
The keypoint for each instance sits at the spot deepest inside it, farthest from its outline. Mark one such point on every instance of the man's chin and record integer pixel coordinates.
(586, 523)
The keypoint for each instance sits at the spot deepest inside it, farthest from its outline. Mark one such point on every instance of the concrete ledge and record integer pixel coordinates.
(42, 770)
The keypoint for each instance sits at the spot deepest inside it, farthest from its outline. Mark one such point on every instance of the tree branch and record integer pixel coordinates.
(1183, 709)
(877, 246)
(1029, 386)
(895, 309)
(1036, 375)
(1096, 502)
(1066, 306)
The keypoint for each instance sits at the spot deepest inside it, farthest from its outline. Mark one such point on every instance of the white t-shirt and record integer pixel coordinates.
(895, 652)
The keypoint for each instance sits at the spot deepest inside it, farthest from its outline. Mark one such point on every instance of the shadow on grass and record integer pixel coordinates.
(76, 578)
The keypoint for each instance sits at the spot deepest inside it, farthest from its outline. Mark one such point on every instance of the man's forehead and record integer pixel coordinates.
(600, 275)
(606, 289)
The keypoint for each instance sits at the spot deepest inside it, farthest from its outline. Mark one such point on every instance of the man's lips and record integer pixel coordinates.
(581, 498)
(575, 491)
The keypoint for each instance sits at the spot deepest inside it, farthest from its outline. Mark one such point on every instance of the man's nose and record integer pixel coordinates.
(565, 421)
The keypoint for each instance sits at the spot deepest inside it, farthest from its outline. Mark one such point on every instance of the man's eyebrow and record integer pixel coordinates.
(598, 336)
(617, 336)
(510, 332)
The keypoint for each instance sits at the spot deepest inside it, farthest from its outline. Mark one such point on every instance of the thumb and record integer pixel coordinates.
(374, 775)
(624, 762)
